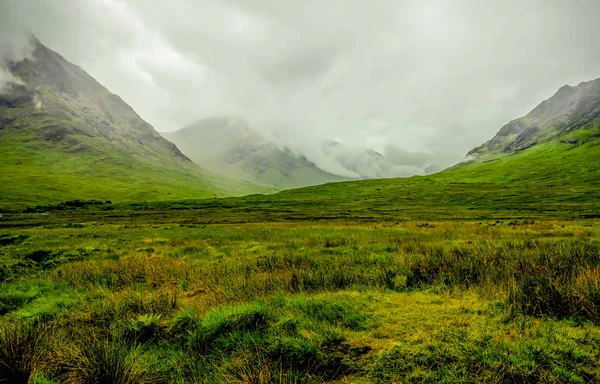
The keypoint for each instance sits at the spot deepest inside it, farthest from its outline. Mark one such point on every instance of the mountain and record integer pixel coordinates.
(64, 136)
(572, 114)
(230, 147)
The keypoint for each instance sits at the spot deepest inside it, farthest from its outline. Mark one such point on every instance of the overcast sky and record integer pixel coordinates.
(434, 78)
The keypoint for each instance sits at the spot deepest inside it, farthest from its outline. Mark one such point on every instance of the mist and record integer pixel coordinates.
(15, 45)
(417, 82)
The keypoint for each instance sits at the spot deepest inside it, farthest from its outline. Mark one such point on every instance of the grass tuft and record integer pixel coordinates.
(21, 351)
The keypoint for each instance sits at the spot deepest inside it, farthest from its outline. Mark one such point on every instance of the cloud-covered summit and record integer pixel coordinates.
(428, 78)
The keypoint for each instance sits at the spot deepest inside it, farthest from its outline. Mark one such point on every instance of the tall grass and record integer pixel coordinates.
(21, 351)
(275, 304)
(556, 277)
(100, 359)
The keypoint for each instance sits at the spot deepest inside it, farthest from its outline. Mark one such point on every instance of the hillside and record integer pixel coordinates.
(64, 136)
(572, 114)
(230, 147)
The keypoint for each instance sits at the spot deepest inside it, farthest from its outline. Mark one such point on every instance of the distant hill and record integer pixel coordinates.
(230, 147)
(64, 136)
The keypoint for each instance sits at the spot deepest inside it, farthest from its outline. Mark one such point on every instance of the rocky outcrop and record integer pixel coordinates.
(17, 95)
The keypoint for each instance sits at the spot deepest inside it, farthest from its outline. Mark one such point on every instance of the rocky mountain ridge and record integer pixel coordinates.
(569, 109)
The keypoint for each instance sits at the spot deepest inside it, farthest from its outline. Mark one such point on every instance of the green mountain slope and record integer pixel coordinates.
(228, 146)
(64, 136)
(572, 112)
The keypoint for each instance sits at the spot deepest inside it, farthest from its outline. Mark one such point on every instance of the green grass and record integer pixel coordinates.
(306, 302)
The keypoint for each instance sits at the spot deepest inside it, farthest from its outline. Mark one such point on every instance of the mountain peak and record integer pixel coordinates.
(569, 109)
(66, 91)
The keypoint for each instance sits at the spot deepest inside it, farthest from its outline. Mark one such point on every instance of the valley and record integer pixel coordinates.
(123, 261)
(486, 272)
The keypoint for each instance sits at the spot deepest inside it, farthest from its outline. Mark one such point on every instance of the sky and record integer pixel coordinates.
(421, 81)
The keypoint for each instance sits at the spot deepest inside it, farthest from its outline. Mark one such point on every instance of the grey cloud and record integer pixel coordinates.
(422, 82)
(403, 157)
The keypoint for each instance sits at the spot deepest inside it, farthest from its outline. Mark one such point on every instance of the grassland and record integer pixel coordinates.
(123, 299)
(486, 272)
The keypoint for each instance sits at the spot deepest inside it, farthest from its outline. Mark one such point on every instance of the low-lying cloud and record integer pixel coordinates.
(15, 45)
